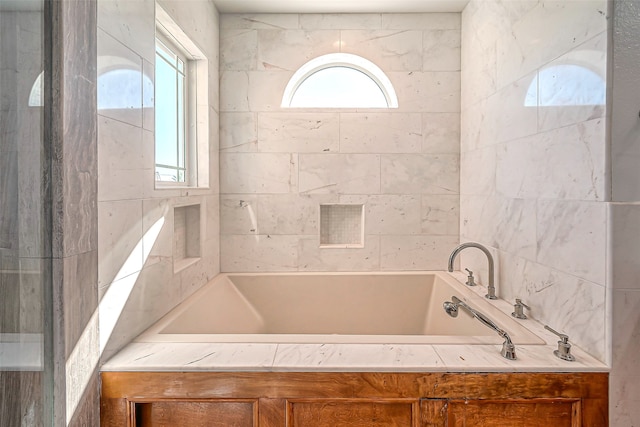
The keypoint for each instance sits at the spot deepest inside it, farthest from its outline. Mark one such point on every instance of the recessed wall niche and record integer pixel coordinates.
(341, 226)
(186, 236)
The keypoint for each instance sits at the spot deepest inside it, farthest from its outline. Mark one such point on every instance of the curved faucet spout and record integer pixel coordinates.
(491, 288)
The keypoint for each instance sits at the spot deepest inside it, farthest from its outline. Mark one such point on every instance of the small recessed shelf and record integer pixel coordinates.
(341, 226)
(186, 236)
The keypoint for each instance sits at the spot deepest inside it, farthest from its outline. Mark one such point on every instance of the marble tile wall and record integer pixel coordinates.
(533, 172)
(624, 218)
(136, 220)
(278, 165)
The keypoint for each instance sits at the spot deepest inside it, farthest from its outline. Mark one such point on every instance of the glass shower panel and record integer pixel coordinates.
(25, 258)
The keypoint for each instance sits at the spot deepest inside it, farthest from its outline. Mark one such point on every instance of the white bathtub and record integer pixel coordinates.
(380, 308)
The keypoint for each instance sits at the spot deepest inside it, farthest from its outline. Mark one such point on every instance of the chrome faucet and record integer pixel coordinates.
(491, 289)
(508, 348)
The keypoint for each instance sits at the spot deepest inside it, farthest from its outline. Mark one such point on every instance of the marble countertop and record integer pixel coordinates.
(174, 356)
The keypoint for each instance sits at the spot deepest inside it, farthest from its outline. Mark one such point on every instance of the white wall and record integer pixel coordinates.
(533, 175)
(137, 274)
(277, 165)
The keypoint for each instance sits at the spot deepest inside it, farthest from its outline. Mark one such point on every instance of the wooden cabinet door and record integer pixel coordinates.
(352, 413)
(514, 413)
(209, 413)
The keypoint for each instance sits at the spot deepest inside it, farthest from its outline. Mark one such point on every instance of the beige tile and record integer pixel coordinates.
(298, 132)
(380, 133)
(340, 173)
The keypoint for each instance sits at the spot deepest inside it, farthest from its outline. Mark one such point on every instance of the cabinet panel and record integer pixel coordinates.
(309, 399)
(349, 413)
(195, 414)
(519, 413)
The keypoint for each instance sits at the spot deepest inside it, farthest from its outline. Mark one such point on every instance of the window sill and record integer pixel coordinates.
(180, 187)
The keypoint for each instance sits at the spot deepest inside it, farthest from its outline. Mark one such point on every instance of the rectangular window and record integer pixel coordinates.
(181, 108)
(172, 150)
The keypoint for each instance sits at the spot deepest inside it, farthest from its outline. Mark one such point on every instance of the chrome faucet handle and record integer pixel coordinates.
(470, 279)
(564, 348)
(518, 309)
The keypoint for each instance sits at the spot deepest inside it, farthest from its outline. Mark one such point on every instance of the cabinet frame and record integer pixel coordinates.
(430, 395)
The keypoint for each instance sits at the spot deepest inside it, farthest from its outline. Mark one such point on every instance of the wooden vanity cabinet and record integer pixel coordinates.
(314, 399)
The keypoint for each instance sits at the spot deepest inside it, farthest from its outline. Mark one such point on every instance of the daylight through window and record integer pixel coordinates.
(170, 110)
(339, 80)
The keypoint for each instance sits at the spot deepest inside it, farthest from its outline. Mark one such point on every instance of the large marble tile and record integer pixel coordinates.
(120, 244)
(120, 177)
(311, 257)
(234, 91)
(120, 81)
(625, 377)
(238, 49)
(563, 301)
(391, 50)
(399, 253)
(258, 172)
(432, 92)
(294, 214)
(198, 356)
(441, 50)
(420, 174)
(625, 352)
(380, 133)
(130, 22)
(564, 163)
(478, 171)
(420, 21)
(478, 129)
(504, 223)
(572, 88)
(624, 404)
(211, 219)
(238, 214)
(199, 273)
(259, 253)
(514, 118)
(266, 89)
(266, 21)
(547, 31)
(572, 237)
(440, 214)
(158, 230)
(440, 133)
(134, 303)
(290, 49)
(480, 30)
(334, 357)
(298, 132)
(238, 132)
(624, 221)
(340, 173)
(389, 214)
(340, 21)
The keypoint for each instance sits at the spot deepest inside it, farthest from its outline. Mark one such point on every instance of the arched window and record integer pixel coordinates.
(339, 80)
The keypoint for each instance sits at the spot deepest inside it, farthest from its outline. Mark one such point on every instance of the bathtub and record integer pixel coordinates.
(365, 308)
